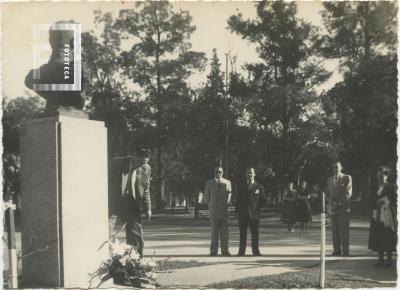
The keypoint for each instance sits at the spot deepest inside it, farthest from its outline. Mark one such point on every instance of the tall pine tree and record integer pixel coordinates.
(159, 60)
(283, 97)
(207, 123)
(362, 36)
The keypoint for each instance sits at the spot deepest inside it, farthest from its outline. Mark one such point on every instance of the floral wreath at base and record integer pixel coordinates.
(125, 266)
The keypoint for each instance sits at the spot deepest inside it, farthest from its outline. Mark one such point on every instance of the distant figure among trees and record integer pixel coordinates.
(304, 206)
(289, 206)
(316, 194)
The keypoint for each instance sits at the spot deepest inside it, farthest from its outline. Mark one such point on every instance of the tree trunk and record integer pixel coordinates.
(367, 34)
(187, 203)
(226, 122)
(159, 130)
(285, 149)
(196, 205)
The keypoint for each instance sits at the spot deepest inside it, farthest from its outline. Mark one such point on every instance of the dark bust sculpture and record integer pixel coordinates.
(59, 70)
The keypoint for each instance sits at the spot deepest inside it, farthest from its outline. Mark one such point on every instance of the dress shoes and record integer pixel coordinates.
(336, 254)
(213, 254)
(227, 254)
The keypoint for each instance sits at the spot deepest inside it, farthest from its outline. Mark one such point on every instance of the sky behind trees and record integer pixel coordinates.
(293, 130)
(210, 20)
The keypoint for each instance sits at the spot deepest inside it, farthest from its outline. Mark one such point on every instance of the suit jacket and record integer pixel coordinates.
(339, 192)
(129, 206)
(218, 197)
(140, 185)
(249, 200)
(116, 167)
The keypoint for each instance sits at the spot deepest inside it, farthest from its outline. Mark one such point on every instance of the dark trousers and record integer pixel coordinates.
(245, 222)
(133, 223)
(341, 233)
(134, 234)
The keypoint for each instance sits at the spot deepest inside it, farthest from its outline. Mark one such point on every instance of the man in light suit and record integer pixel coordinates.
(135, 186)
(250, 199)
(218, 194)
(338, 194)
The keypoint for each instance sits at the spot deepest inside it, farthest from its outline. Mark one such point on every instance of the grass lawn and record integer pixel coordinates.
(301, 279)
(164, 265)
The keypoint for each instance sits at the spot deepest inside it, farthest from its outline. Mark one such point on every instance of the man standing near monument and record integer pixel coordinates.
(338, 194)
(250, 199)
(136, 197)
(218, 194)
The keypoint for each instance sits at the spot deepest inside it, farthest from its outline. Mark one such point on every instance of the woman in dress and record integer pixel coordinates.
(304, 206)
(289, 205)
(383, 229)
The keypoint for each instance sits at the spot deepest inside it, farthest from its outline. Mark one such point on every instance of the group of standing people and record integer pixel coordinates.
(296, 206)
(135, 188)
(383, 225)
(250, 199)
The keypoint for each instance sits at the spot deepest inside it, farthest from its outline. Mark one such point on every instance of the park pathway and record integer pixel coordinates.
(181, 238)
(205, 275)
(228, 271)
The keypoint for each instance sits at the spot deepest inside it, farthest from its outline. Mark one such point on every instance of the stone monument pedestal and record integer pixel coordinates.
(64, 201)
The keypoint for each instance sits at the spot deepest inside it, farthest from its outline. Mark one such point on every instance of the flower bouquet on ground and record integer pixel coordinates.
(126, 267)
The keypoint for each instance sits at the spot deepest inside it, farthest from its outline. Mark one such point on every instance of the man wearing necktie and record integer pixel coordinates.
(136, 197)
(250, 199)
(218, 194)
(338, 194)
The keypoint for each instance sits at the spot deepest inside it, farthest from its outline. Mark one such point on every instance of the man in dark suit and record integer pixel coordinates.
(338, 194)
(135, 186)
(249, 201)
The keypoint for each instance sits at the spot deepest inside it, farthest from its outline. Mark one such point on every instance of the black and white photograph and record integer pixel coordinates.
(199, 144)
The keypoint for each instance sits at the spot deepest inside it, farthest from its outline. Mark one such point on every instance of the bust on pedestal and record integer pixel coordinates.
(54, 73)
(64, 191)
